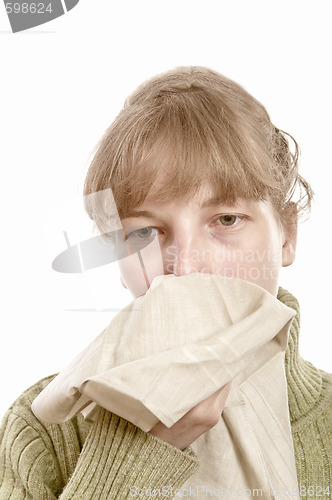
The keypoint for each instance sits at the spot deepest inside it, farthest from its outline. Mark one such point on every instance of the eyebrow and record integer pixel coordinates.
(138, 213)
(212, 202)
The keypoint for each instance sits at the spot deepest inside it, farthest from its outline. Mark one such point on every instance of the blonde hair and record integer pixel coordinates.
(191, 126)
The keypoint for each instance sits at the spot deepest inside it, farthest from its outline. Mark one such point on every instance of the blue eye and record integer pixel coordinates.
(143, 233)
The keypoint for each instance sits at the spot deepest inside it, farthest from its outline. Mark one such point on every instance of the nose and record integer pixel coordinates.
(183, 256)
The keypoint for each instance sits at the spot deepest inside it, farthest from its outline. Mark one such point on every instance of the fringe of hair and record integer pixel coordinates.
(188, 127)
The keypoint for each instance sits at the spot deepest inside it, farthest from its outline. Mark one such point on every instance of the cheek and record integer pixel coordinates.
(257, 260)
(133, 276)
(139, 270)
(265, 270)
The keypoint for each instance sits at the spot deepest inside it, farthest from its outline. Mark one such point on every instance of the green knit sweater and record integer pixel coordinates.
(113, 459)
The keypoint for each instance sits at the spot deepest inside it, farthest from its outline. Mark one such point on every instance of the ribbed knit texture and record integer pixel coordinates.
(43, 461)
(310, 410)
(104, 460)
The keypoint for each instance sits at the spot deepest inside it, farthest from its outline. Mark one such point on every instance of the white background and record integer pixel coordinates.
(62, 84)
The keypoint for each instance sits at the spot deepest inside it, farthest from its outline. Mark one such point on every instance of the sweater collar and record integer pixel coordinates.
(304, 381)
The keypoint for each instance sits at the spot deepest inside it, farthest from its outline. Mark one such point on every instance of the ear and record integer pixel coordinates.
(289, 234)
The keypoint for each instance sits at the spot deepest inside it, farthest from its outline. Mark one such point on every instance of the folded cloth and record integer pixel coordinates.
(175, 346)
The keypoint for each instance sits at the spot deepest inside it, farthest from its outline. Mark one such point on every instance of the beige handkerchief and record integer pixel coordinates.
(170, 349)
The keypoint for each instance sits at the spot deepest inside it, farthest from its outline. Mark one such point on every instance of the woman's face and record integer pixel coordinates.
(202, 234)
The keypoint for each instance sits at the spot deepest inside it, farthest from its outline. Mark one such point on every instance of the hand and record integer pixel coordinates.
(196, 422)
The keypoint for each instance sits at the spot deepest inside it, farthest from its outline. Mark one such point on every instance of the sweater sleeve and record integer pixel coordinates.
(110, 458)
(119, 460)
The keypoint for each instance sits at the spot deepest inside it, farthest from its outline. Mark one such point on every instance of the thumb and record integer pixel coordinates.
(222, 395)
